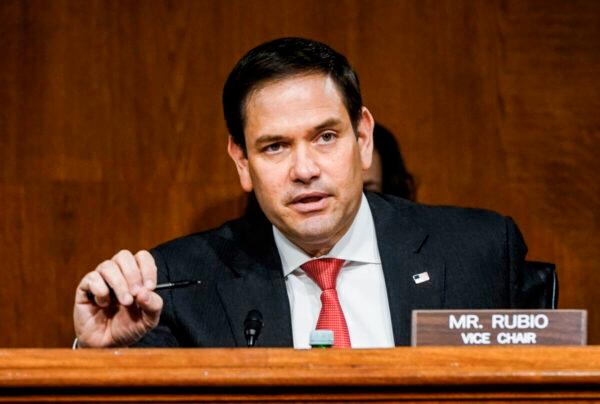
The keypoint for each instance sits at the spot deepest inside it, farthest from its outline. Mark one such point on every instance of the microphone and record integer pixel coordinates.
(321, 339)
(252, 326)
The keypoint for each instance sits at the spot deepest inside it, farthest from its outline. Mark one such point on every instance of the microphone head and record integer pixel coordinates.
(253, 317)
(321, 339)
(252, 326)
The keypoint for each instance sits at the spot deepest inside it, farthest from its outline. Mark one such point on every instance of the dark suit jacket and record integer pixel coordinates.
(473, 257)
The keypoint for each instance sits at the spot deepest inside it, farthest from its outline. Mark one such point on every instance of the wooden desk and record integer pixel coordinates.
(423, 374)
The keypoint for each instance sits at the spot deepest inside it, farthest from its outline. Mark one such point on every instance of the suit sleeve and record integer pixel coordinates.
(162, 335)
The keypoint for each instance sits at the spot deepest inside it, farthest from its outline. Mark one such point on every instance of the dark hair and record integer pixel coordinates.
(396, 180)
(279, 59)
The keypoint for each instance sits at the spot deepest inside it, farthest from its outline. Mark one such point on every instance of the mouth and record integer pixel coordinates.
(309, 202)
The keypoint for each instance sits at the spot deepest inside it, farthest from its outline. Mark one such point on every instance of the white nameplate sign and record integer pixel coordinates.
(499, 327)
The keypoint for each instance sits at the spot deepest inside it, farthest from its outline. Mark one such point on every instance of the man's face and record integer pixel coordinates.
(304, 160)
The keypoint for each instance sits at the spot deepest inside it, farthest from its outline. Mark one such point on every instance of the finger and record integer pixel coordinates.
(147, 266)
(112, 275)
(130, 270)
(92, 283)
(150, 303)
(99, 289)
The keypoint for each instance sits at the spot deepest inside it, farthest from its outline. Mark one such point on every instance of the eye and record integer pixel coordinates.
(327, 137)
(273, 148)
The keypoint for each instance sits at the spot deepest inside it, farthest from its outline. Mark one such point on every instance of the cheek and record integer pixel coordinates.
(352, 170)
(267, 184)
(349, 174)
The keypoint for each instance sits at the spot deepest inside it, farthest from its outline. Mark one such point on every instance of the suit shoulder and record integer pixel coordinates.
(445, 220)
(459, 216)
(467, 228)
(439, 214)
(201, 241)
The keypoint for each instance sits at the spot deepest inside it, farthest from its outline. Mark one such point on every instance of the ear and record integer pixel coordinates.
(238, 156)
(365, 137)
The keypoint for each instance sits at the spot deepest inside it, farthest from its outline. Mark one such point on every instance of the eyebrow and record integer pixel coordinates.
(268, 139)
(278, 138)
(328, 124)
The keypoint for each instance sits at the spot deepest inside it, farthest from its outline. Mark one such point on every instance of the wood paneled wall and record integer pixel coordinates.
(112, 136)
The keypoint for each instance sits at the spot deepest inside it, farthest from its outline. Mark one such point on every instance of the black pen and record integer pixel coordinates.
(175, 285)
(160, 286)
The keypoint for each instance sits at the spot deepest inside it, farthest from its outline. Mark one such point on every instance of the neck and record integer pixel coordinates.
(317, 251)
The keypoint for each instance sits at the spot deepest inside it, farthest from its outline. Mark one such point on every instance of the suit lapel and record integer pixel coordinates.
(251, 253)
(403, 250)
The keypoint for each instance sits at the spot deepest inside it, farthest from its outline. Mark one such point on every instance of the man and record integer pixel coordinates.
(300, 139)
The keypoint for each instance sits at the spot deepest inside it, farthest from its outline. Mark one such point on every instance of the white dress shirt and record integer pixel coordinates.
(360, 286)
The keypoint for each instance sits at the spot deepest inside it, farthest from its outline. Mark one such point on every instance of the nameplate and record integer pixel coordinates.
(499, 327)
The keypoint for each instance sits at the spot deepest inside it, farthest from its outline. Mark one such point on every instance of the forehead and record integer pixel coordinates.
(294, 103)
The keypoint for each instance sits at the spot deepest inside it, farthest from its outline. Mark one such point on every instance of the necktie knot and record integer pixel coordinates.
(324, 271)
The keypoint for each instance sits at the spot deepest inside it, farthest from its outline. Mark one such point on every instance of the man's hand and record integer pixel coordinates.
(133, 310)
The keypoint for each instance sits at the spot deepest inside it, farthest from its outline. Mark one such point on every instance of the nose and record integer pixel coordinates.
(305, 168)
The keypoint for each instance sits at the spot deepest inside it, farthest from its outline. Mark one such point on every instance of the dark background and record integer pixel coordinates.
(112, 136)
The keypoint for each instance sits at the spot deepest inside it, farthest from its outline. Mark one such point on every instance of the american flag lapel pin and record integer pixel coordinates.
(420, 278)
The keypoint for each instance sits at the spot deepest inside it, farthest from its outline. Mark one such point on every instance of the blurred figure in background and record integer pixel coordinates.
(388, 174)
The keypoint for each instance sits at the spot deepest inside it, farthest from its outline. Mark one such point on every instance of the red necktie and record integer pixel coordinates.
(324, 272)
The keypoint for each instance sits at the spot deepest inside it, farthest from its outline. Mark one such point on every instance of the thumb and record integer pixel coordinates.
(150, 303)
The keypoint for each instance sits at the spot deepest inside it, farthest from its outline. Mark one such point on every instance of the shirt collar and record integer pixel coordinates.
(359, 244)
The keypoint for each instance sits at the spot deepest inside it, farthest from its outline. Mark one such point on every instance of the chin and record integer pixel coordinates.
(315, 230)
